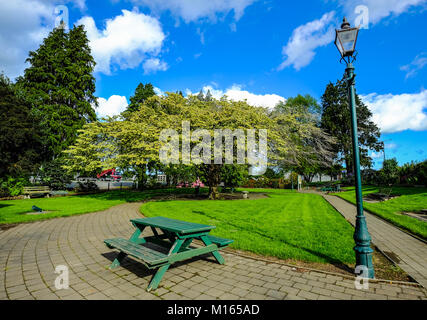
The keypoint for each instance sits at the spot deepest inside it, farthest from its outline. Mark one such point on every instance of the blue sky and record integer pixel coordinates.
(262, 51)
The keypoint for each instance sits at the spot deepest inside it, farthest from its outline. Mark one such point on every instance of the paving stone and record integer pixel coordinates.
(96, 296)
(259, 290)
(276, 294)
(239, 292)
(307, 295)
(340, 295)
(191, 294)
(255, 296)
(229, 296)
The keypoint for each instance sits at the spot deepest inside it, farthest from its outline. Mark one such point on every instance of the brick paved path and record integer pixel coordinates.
(30, 252)
(407, 252)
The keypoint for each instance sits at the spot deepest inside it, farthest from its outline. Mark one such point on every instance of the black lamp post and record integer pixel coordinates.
(345, 41)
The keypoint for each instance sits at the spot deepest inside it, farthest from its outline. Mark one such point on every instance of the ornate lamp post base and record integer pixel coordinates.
(363, 249)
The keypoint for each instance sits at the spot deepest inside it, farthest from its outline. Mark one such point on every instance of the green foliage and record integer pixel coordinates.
(389, 174)
(10, 186)
(234, 175)
(20, 145)
(180, 173)
(305, 105)
(336, 121)
(414, 173)
(142, 93)
(53, 175)
(315, 152)
(60, 86)
(273, 174)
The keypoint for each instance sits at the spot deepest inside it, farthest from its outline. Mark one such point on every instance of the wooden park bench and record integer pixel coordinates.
(331, 188)
(383, 194)
(171, 245)
(39, 190)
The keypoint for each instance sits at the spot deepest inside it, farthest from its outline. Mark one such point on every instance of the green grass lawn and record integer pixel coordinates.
(13, 211)
(410, 199)
(287, 225)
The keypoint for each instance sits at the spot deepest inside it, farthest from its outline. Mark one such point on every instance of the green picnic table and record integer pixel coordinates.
(174, 240)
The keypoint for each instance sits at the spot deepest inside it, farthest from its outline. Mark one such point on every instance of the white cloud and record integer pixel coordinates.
(198, 10)
(394, 113)
(236, 93)
(111, 107)
(379, 9)
(376, 155)
(419, 62)
(23, 25)
(158, 91)
(301, 46)
(153, 65)
(126, 41)
(21, 30)
(299, 51)
(390, 146)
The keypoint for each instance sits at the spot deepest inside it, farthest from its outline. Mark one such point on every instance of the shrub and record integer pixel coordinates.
(10, 186)
(413, 173)
(53, 175)
(389, 174)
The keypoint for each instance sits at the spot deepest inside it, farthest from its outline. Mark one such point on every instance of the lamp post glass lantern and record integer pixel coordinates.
(346, 38)
(345, 41)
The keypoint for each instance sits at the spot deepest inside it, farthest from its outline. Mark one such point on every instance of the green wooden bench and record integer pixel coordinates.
(173, 241)
(220, 242)
(40, 190)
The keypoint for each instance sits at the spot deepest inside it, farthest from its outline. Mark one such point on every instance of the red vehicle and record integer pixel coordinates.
(104, 174)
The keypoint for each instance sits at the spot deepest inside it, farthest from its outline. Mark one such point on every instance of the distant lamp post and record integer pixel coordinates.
(345, 41)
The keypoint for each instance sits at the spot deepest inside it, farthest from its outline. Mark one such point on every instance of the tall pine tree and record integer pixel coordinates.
(336, 121)
(142, 93)
(19, 133)
(60, 86)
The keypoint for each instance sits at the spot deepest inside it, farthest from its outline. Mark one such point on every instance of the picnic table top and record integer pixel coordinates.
(173, 225)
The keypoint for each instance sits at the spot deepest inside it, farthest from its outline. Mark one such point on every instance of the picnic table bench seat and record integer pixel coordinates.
(150, 257)
(220, 242)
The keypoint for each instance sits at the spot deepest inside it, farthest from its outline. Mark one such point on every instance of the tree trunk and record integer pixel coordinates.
(213, 176)
(213, 193)
(349, 165)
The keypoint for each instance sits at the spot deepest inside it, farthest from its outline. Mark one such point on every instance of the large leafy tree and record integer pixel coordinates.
(301, 115)
(336, 121)
(19, 133)
(135, 141)
(60, 86)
